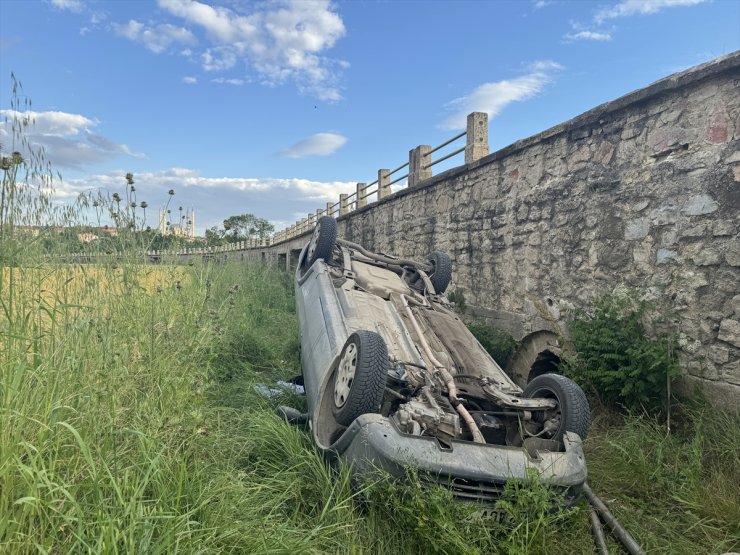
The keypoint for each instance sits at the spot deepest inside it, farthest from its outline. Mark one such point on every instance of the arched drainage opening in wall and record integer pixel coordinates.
(538, 353)
(546, 362)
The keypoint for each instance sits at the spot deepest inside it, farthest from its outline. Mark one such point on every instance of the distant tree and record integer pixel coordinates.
(246, 226)
(214, 236)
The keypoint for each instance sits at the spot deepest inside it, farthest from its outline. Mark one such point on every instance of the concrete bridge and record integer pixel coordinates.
(642, 193)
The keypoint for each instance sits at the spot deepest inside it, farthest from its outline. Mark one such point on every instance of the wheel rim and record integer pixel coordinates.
(314, 242)
(345, 375)
(546, 393)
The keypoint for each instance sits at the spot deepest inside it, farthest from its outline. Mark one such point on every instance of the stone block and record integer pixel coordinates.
(723, 228)
(699, 205)
(733, 306)
(718, 355)
(665, 139)
(642, 253)
(664, 256)
(733, 158)
(671, 116)
(640, 205)
(732, 256)
(698, 230)
(731, 373)
(668, 238)
(630, 132)
(665, 214)
(729, 331)
(604, 153)
(718, 130)
(704, 370)
(637, 229)
(693, 279)
(707, 257)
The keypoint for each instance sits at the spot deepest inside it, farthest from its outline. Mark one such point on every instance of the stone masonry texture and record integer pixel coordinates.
(639, 194)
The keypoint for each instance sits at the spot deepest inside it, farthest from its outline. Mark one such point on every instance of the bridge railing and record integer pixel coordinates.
(419, 169)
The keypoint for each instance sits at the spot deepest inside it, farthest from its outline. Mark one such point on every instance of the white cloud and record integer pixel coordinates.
(234, 82)
(71, 5)
(588, 35)
(218, 59)
(643, 7)
(539, 4)
(320, 144)
(157, 38)
(493, 97)
(67, 139)
(216, 198)
(177, 178)
(282, 41)
(190, 80)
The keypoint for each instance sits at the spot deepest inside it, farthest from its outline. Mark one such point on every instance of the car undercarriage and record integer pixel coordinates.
(383, 349)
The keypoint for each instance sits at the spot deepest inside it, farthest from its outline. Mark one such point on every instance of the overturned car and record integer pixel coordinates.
(394, 378)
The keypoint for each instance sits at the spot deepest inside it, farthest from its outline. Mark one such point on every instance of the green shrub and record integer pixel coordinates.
(616, 358)
(499, 344)
(458, 297)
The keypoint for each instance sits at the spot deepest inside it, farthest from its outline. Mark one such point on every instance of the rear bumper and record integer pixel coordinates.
(472, 471)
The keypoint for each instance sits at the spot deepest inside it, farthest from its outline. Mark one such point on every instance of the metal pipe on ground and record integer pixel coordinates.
(617, 529)
(598, 531)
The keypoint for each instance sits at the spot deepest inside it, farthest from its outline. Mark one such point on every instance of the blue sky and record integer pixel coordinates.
(276, 107)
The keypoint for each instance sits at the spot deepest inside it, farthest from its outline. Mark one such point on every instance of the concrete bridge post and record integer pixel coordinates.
(343, 204)
(360, 199)
(329, 206)
(419, 160)
(384, 180)
(477, 137)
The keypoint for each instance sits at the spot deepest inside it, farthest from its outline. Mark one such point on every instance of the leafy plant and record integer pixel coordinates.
(458, 297)
(499, 344)
(617, 359)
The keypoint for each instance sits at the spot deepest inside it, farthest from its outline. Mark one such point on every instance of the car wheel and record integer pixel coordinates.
(360, 377)
(441, 275)
(322, 242)
(573, 409)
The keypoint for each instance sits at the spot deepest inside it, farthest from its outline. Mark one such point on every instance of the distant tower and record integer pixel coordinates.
(191, 223)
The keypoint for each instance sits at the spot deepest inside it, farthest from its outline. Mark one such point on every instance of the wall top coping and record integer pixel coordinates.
(680, 80)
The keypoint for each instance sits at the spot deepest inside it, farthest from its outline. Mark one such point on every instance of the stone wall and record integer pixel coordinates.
(641, 193)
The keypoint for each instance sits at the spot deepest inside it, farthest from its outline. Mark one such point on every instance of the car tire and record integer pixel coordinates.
(360, 377)
(323, 239)
(441, 275)
(575, 415)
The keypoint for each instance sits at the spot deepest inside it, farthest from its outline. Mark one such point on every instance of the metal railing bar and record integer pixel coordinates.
(398, 179)
(368, 193)
(398, 168)
(450, 155)
(452, 140)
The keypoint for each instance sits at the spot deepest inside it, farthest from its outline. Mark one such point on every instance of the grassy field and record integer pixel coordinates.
(129, 424)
